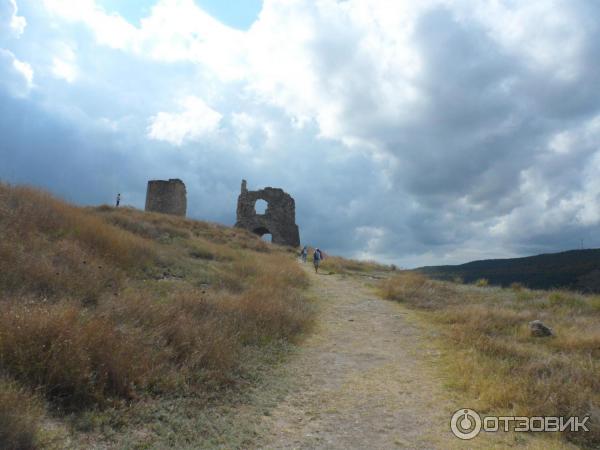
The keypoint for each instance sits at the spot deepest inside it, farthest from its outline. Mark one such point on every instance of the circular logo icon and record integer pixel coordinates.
(465, 424)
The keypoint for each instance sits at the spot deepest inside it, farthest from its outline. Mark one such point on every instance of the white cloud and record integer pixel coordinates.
(254, 132)
(65, 70)
(325, 61)
(310, 59)
(15, 76)
(175, 30)
(195, 121)
(25, 70)
(11, 24)
(64, 65)
(179, 30)
(109, 29)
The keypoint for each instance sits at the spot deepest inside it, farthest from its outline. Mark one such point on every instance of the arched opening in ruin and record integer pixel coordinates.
(260, 207)
(264, 234)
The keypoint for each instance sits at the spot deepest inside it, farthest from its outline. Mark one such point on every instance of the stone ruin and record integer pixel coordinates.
(167, 197)
(279, 218)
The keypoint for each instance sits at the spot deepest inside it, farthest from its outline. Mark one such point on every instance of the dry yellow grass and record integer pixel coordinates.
(336, 264)
(50, 248)
(493, 357)
(100, 306)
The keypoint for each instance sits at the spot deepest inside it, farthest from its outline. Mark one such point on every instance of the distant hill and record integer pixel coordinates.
(575, 269)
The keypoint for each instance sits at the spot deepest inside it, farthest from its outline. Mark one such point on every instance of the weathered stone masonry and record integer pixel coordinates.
(279, 219)
(167, 197)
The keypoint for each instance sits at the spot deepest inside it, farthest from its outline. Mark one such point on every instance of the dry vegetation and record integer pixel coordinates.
(338, 265)
(102, 307)
(493, 357)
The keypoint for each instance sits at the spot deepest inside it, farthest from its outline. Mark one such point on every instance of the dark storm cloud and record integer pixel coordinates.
(489, 117)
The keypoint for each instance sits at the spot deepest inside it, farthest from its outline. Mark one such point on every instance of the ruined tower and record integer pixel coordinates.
(279, 218)
(167, 197)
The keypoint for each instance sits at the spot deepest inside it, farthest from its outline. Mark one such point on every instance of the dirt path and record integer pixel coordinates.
(368, 378)
(363, 378)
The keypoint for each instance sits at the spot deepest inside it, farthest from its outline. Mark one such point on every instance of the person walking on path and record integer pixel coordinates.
(317, 257)
(304, 253)
(118, 199)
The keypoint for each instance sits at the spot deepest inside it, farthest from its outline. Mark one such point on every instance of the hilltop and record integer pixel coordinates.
(575, 269)
(103, 310)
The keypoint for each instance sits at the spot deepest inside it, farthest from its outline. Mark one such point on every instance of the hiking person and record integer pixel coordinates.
(118, 199)
(317, 257)
(304, 253)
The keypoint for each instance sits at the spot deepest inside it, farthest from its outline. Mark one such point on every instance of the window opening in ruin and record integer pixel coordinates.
(260, 207)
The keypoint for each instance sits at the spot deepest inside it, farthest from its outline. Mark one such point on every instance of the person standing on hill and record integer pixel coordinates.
(118, 199)
(317, 257)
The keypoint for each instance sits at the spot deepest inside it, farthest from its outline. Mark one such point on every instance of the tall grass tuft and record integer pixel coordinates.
(76, 359)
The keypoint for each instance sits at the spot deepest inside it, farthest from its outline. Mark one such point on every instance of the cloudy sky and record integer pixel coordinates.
(414, 132)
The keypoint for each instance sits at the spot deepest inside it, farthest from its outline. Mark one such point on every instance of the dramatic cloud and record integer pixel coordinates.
(411, 132)
(195, 121)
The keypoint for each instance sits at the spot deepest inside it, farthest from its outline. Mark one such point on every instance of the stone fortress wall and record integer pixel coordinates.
(279, 218)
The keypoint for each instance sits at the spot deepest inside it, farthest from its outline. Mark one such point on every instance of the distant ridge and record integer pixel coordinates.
(574, 269)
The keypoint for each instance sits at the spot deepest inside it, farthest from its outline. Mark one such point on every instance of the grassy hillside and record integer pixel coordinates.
(575, 269)
(104, 309)
(492, 356)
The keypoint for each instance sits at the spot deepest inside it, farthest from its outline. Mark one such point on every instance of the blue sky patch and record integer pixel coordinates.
(239, 14)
